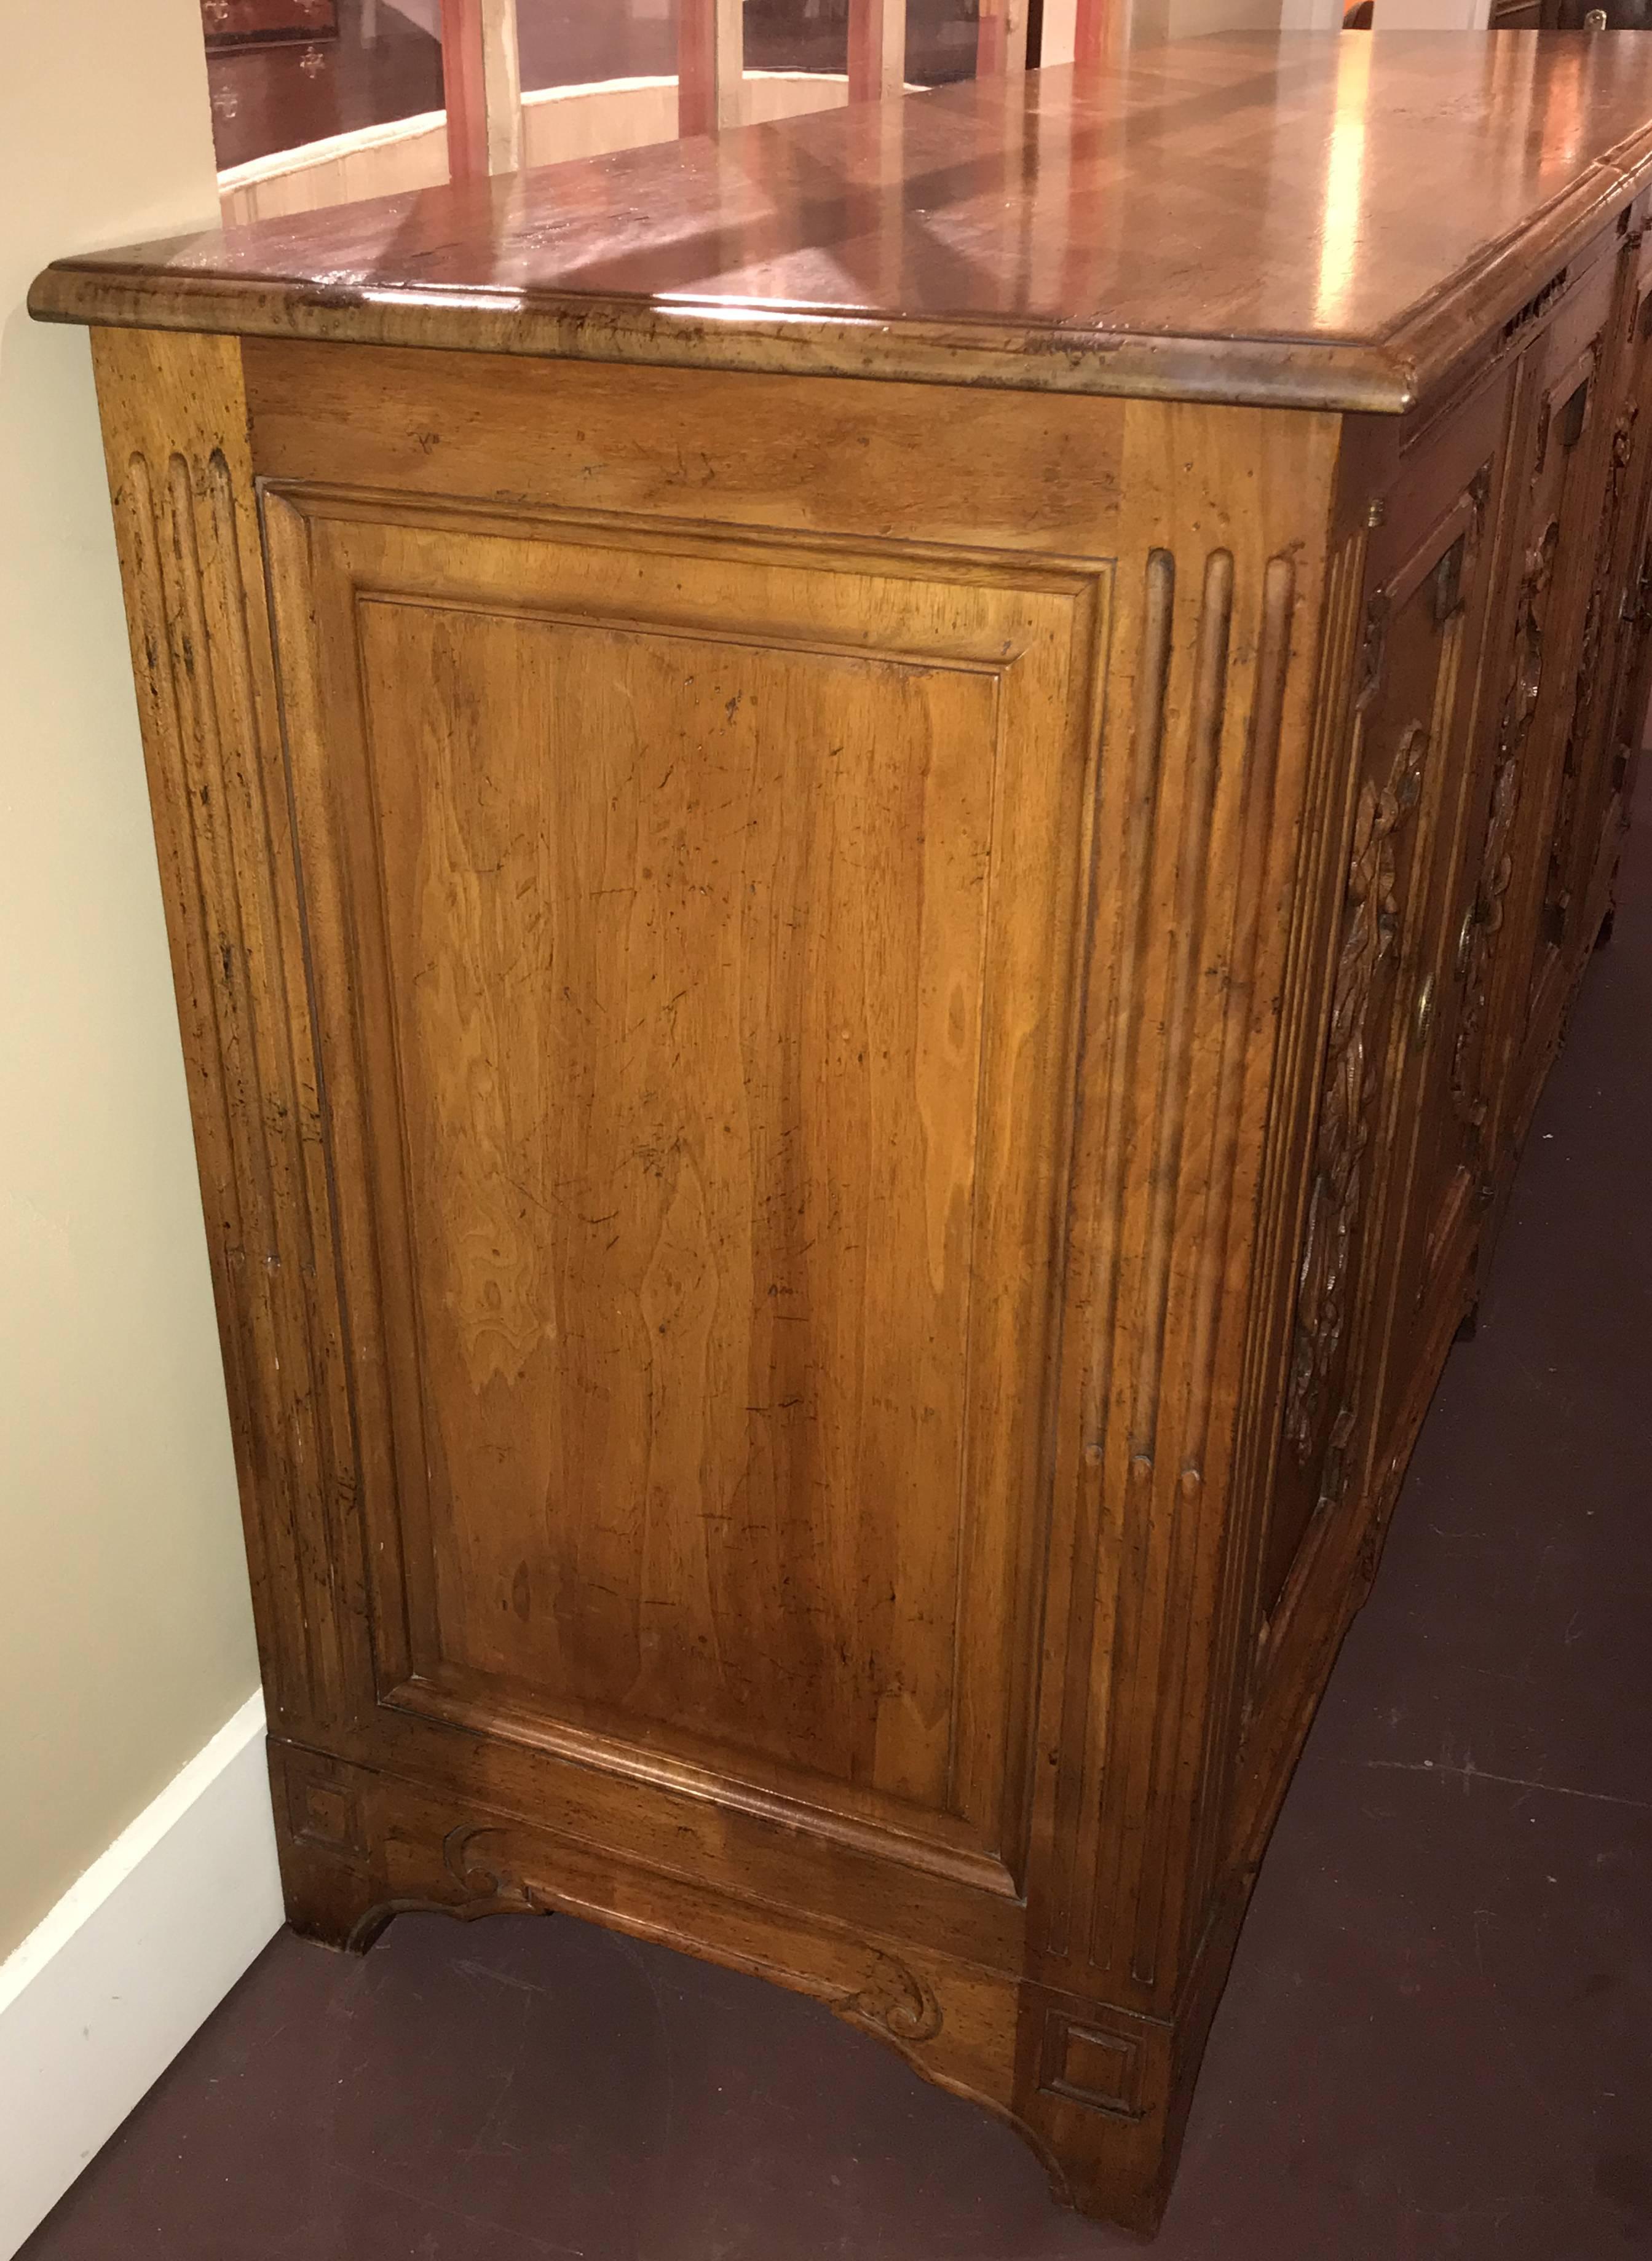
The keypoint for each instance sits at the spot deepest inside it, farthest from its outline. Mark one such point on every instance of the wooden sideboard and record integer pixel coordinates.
(875, 834)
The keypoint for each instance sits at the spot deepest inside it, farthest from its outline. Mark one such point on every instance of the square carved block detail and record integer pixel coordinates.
(326, 1814)
(1090, 2065)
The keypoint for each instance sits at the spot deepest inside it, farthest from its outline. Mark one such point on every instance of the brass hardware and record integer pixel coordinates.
(1595, 20)
(1376, 511)
(1423, 1016)
(1465, 938)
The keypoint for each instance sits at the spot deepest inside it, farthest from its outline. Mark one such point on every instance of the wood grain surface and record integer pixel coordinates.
(855, 1046)
(1238, 218)
(703, 902)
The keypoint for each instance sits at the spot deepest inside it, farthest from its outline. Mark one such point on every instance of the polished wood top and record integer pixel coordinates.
(1320, 220)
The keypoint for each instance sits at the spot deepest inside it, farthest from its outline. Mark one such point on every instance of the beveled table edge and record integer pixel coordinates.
(1385, 375)
(713, 334)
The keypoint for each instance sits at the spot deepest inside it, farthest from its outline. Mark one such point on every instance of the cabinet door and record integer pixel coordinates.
(1568, 447)
(1438, 1159)
(692, 917)
(1543, 525)
(1609, 695)
(1410, 719)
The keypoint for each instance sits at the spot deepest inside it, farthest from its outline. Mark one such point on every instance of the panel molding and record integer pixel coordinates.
(666, 532)
(1029, 630)
(868, 1824)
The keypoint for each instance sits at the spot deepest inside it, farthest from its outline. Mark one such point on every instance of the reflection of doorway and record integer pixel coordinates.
(362, 114)
(249, 23)
(1581, 16)
(382, 65)
(371, 62)
(814, 35)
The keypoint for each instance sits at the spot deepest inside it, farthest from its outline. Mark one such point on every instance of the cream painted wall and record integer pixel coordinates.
(125, 1637)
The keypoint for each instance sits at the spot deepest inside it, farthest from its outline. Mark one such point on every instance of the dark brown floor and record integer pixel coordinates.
(1435, 2044)
(382, 65)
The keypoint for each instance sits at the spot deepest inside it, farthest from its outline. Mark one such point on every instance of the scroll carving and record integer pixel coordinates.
(1496, 861)
(891, 2000)
(1370, 940)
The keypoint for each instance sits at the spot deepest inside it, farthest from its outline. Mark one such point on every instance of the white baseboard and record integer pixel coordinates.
(104, 1993)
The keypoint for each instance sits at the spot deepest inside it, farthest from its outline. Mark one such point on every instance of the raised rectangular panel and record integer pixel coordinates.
(686, 914)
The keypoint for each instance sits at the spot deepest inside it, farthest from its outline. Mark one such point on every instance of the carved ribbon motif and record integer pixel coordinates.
(1370, 937)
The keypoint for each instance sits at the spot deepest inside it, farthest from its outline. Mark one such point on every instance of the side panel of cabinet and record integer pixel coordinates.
(296, 1340)
(738, 1059)
(691, 918)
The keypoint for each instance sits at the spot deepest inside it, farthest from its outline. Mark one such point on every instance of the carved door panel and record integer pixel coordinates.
(1438, 1159)
(1627, 726)
(1563, 454)
(1450, 1164)
(685, 912)
(1429, 585)
(1609, 698)
(1633, 692)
